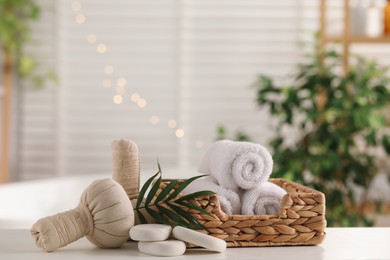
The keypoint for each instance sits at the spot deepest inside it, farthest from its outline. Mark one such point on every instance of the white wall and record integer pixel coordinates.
(192, 60)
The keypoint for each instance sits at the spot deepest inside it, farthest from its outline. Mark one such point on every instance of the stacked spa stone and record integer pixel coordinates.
(162, 240)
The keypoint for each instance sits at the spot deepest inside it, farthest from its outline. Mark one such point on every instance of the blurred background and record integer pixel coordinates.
(176, 75)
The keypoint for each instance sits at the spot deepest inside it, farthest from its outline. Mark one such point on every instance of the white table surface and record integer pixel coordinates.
(340, 243)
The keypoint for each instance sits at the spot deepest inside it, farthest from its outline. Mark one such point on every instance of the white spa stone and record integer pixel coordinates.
(150, 232)
(162, 248)
(199, 239)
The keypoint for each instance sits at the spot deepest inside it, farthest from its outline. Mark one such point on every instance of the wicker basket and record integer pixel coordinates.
(300, 221)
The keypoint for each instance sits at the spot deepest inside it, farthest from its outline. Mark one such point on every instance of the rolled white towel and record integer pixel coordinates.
(237, 164)
(263, 199)
(230, 200)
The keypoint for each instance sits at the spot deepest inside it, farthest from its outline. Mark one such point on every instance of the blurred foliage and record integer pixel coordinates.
(238, 135)
(341, 122)
(340, 118)
(15, 16)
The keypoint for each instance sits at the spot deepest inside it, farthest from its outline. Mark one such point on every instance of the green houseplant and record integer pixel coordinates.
(341, 128)
(15, 17)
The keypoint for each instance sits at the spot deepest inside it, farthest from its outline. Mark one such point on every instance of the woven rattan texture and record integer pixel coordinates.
(300, 221)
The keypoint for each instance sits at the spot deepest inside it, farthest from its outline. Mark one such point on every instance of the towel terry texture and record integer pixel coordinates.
(237, 164)
(263, 199)
(238, 175)
(229, 199)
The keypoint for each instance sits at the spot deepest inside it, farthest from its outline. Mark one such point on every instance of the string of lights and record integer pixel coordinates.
(121, 82)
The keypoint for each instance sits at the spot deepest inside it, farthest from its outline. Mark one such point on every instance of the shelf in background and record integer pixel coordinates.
(358, 39)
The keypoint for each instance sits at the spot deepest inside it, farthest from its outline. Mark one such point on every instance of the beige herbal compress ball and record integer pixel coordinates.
(104, 215)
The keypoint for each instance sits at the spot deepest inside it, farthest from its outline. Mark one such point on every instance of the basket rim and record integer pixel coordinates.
(298, 186)
(279, 181)
(303, 192)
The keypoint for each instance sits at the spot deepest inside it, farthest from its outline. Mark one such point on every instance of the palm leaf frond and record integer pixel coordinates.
(153, 191)
(141, 217)
(194, 207)
(183, 186)
(157, 216)
(143, 190)
(184, 214)
(166, 207)
(195, 195)
(167, 190)
(173, 216)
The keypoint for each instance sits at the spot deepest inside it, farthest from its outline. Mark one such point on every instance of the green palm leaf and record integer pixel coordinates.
(194, 207)
(170, 214)
(159, 166)
(153, 191)
(173, 216)
(166, 190)
(183, 186)
(143, 190)
(195, 195)
(154, 214)
(141, 217)
(187, 216)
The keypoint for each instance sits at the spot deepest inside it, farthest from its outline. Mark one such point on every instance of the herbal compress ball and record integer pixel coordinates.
(104, 215)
